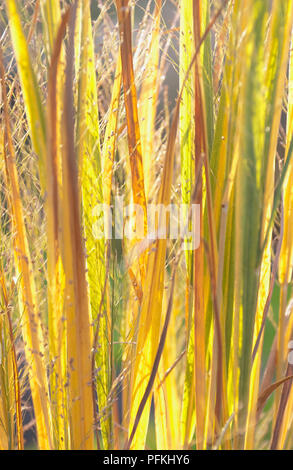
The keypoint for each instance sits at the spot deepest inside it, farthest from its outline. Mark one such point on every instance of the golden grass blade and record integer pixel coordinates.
(76, 295)
(202, 151)
(188, 400)
(31, 326)
(187, 407)
(108, 158)
(186, 135)
(148, 337)
(93, 187)
(148, 102)
(157, 359)
(30, 89)
(221, 48)
(282, 347)
(57, 333)
(186, 129)
(286, 256)
(7, 435)
(12, 349)
(130, 98)
(150, 316)
(224, 163)
(166, 402)
(51, 14)
(137, 272)
(246, 197)
(166, 396)
(278, 61)
(109, 144)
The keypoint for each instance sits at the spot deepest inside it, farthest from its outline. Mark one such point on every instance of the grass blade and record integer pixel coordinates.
(32, 332)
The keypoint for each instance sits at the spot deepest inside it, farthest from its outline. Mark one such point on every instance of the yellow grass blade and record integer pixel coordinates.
(148, 102)
(76, 295)
(89, 162)
(286, 255)
(51, 14)
(186, 133)
(109, 144)
(30, 89)
(278, 28)
(150, 316)
(166, 396)
(31, 325)
(6, 330)
(56, 282)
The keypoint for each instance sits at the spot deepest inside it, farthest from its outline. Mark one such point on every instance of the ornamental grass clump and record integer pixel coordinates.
(146, 253)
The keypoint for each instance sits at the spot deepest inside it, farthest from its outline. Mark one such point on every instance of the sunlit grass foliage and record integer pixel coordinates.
(138, 342)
